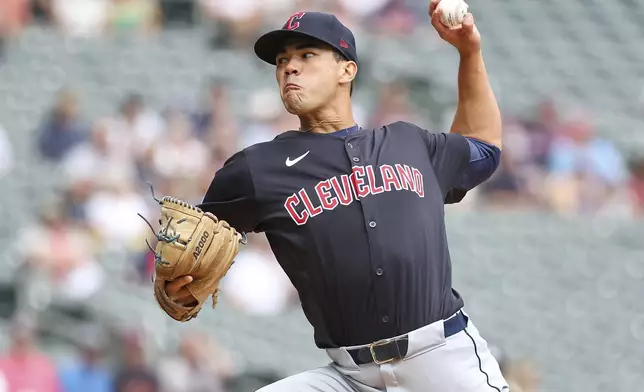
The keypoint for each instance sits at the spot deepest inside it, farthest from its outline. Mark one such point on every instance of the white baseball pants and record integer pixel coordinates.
(458, 363)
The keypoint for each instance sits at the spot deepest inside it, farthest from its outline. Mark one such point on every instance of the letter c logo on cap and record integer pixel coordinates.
(291, 24)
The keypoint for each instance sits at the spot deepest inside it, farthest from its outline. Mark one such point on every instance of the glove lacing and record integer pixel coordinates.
(171, 237)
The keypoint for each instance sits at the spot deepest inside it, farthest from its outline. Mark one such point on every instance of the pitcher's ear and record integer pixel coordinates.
(349, 72)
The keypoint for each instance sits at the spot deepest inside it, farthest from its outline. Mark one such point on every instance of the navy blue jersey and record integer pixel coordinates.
(356, 220)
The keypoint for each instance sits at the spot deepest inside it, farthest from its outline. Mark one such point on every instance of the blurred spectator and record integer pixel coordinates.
(178, 13)
(78, 18)
(75, 195)
(215, 123)
(179, 154)
(91, 161)
(391, 17)
(506, 366)
(145, 263)
(63, 250)
(167, 165)
(287, 122)
(398, 18)
(346, 16)
(541, 132)
(112, 213)
(362, 9)
(504, 189)
(135, 128)
(265, 112)
(393, 105)
(212, 99)
(6, 153)
(517, 183)
(199, 366)
(134, 376)
(273, 12)
(257, 284)
(142, 16)
(585, 170)
(24, 367)
(87, 373)
(14, 17)
(62, 128)
(234, 24)
(636, 185)
(522, 376)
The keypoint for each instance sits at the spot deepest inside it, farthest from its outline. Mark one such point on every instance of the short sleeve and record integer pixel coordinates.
(231, 195)
(450, 155)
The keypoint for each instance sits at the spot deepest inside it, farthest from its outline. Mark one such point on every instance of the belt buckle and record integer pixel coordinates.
(373, 353)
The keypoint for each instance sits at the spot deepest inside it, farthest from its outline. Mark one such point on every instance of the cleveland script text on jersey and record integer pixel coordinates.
(349, 187)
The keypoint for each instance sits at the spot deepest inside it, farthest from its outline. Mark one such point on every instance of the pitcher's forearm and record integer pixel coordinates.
(477, 114)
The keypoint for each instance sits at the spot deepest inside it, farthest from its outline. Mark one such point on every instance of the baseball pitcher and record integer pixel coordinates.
(354, 216)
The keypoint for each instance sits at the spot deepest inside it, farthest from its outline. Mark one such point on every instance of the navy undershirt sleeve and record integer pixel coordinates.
(484, 160)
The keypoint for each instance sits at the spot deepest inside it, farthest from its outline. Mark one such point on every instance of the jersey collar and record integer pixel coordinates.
(345, 132)
(339, 134)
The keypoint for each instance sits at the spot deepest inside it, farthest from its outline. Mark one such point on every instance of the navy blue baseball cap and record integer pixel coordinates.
(317, 25)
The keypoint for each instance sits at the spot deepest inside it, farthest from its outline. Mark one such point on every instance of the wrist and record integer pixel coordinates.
(470, 54)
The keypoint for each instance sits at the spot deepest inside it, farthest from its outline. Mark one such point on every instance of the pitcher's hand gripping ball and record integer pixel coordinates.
(196, 243)
(452, 12)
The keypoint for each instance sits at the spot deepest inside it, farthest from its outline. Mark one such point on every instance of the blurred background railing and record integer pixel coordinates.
(99, 97)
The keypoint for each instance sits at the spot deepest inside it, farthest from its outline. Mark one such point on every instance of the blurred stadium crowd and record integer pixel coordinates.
(554, 162)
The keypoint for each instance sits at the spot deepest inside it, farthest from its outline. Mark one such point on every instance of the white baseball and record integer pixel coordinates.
(454, 12)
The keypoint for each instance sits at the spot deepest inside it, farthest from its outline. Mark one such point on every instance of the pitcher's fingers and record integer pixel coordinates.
(432, 6)
(436, 17)
(468, 23)
(438, 25)
(173, 287)
(182, 295)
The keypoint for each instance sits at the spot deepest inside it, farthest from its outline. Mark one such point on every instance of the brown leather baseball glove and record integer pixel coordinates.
(196, 243)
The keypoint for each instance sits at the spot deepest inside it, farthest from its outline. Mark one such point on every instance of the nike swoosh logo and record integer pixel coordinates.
(290, 162)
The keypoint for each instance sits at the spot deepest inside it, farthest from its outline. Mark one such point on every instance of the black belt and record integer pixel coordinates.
(387, 350)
